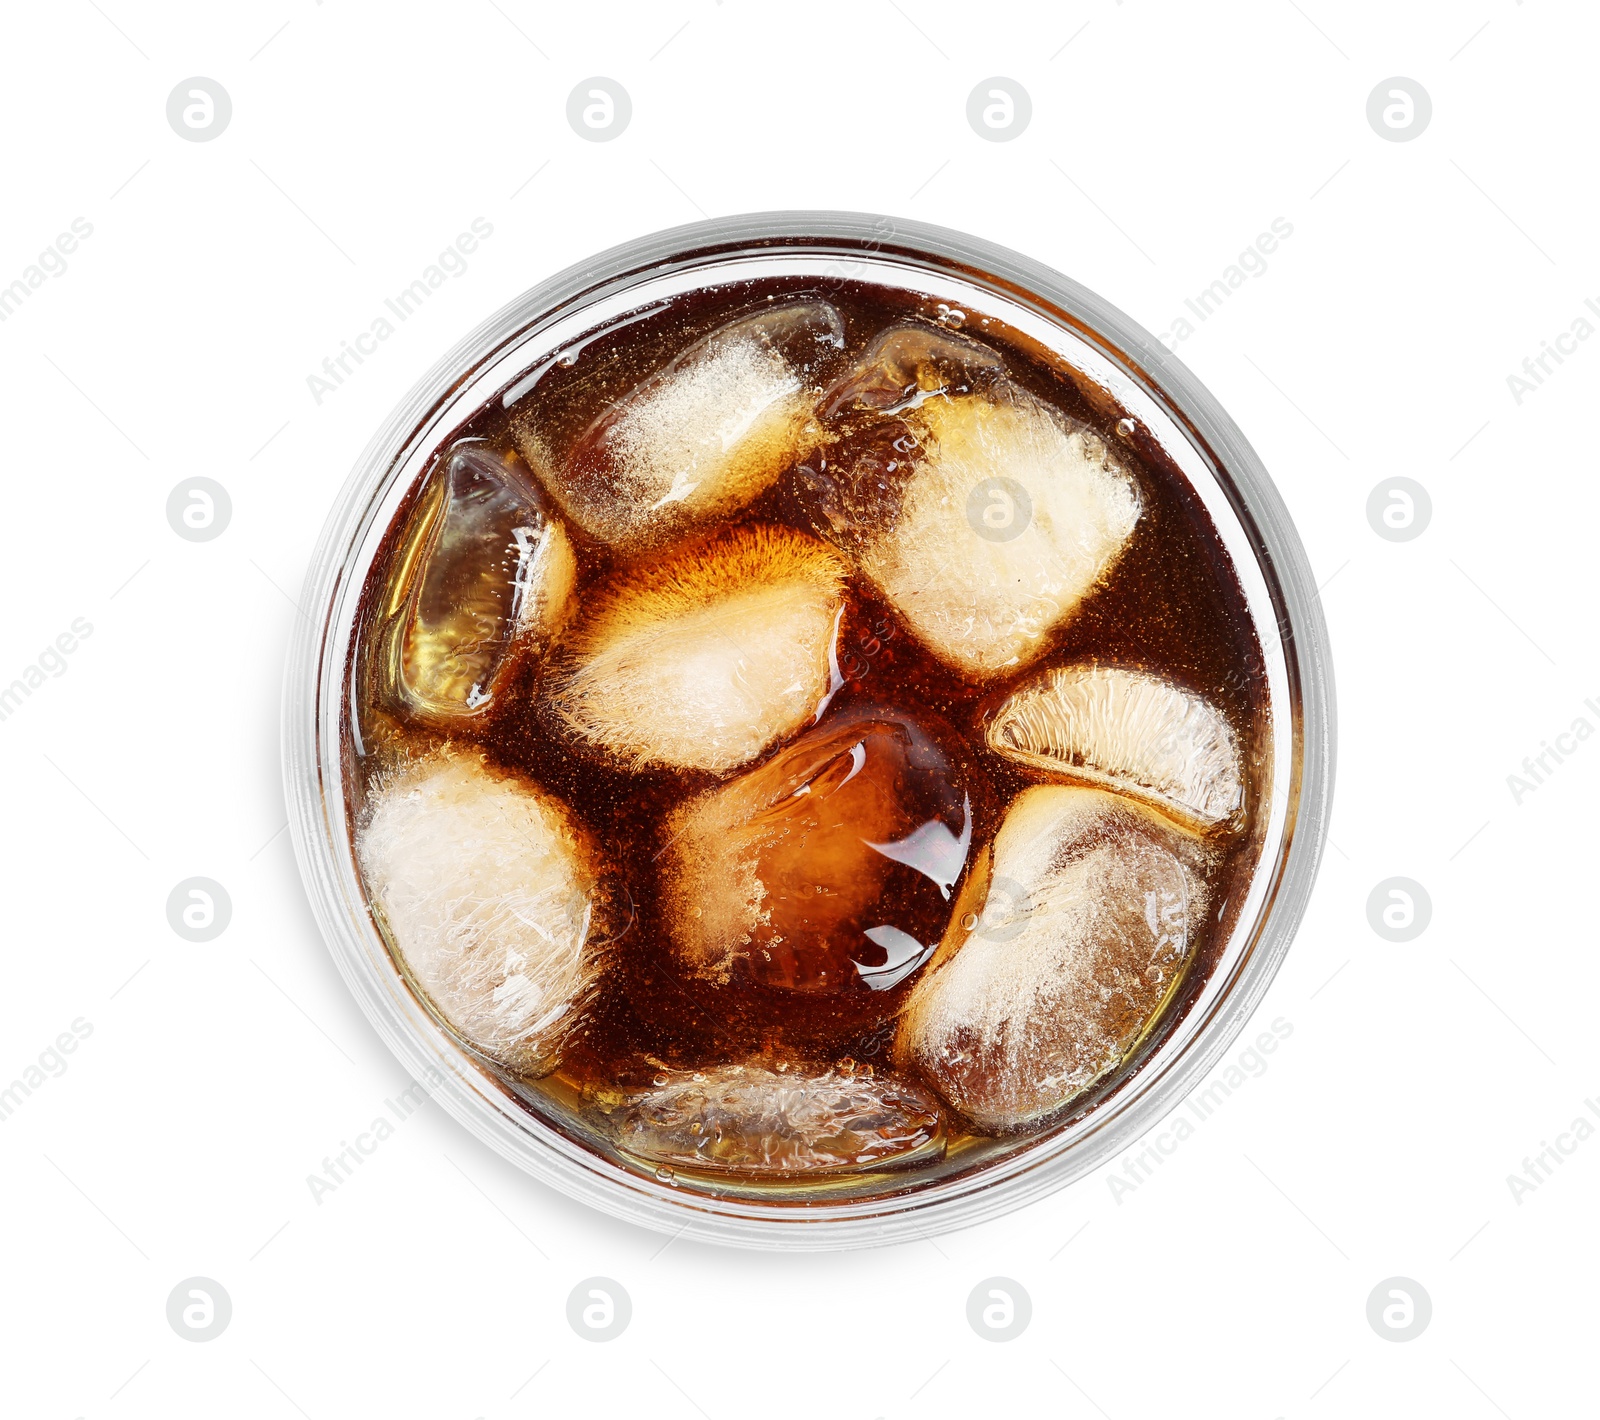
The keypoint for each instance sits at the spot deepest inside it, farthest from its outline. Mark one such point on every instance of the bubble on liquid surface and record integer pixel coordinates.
(757, 1120)
(490, 894)
(830, 868)
(1013, 1027)
(1125, 730)
(707, 659)
(701, 437)
(485, 576)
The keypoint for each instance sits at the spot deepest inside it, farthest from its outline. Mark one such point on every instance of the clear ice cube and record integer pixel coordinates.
(703, 436)
(490, 893)
(905, 366)
(486, 575)
(1125, 730)
(1003, 516)
(1094, 911)
(764, 1121)
(830, 868)
(707, 659)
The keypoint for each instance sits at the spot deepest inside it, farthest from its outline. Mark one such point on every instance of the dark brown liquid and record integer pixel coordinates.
(1171, 605)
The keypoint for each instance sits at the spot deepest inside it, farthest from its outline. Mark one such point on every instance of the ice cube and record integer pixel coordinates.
(486, 575)
(1126, 730)
(703, 436)
(754, 1119)
(1094, 912)
(830, 868)
(490, 892)
(906, 365)
(851, 488)
(707, 659)
(1009, 516)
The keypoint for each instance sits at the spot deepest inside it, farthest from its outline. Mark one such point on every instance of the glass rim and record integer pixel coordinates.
(314, 697)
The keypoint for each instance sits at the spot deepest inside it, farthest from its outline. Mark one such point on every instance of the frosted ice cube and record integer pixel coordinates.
(1126, 730)
(829, 868)
(490, 893)
(705, 660)
(486, 575)
(1007, 521)
(1094, 912)
(703, 436)
(753, 1119)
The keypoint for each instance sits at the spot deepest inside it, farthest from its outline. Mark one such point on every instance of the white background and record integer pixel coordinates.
(1164, 138)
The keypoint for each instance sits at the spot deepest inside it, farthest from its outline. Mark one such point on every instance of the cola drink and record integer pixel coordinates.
(804, 734)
